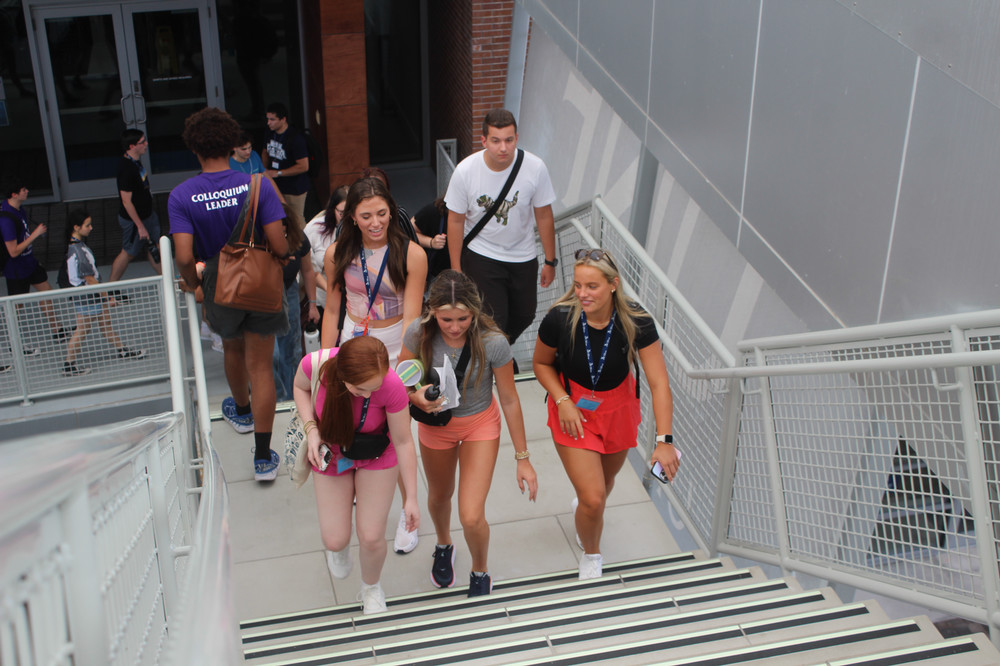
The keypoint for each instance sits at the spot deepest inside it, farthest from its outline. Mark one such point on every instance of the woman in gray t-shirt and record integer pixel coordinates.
(453, 319)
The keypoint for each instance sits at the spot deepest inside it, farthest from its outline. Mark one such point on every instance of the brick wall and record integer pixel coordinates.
(341, 60)
(468, 48)
(491, 21)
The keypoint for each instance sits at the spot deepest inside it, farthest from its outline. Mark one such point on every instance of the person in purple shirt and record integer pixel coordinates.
(22, 271)
(203, 212)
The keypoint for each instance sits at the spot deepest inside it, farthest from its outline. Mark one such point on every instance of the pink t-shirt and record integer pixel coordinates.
(391, 397)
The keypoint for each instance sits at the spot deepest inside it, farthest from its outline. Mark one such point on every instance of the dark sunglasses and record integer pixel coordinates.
(594, 255)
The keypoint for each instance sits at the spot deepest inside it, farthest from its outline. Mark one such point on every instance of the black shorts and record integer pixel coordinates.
(23, 285)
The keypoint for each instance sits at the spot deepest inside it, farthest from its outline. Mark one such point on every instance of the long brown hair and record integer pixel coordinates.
(452, 289)
(357, 361)
(350, 241)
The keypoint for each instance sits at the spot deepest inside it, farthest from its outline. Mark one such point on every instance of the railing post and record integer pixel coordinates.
(596, 222)
(978, 488)
(16, 349)
(165, 555)
(728, 447)
(773, 464)
(174, 353)
(87, 618)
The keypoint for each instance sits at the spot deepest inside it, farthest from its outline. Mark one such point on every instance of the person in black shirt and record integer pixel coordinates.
(587, 345)
(286, 158)
(139, 222)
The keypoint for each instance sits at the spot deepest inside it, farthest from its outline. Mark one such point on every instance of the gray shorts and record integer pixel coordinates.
(131, 243)
(231, 323)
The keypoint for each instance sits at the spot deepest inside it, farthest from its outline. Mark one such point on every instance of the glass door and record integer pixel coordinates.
(117, 66)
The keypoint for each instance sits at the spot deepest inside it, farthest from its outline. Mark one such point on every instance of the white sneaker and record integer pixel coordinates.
(404, 541)
(206, 332)
(590, 566)
(339, 562)
(372, 599)
(572, 505)
(217, 343)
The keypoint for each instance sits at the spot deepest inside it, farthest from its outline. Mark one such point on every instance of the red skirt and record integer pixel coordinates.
(610, 428)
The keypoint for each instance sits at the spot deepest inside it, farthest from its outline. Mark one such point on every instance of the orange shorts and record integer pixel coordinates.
(479, 427)
(610, 428)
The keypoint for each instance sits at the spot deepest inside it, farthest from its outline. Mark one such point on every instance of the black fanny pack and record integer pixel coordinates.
(443, 417)
(366, 445)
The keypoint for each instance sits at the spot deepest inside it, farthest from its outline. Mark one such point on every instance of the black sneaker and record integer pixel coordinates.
(480, 584)
(62, 333)
(125, 352)
(443, 571)
(73, 370)
(4, 368)
(119, 296)
(30, 351)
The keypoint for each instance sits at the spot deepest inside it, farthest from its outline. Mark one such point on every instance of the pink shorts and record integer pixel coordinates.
(336, 467)
(610, 428)
(480, 427)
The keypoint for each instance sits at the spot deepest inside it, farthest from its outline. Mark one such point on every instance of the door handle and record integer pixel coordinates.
(124, 118)
(140, 102)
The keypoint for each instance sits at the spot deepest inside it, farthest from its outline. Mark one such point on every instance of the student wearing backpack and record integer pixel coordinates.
(80, 270)
(21, 270)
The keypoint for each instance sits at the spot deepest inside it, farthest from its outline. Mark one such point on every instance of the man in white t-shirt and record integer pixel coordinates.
(502, 258)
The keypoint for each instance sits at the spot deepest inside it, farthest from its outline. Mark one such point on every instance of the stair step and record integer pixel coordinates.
(658, 613)
(725, 645)
(681, 564)
(974, 650)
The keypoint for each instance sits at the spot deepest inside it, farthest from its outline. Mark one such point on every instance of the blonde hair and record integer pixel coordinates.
(628, 311)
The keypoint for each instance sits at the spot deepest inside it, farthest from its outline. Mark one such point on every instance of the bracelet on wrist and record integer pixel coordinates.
(309, 425)
(565, 397)
(522, 455)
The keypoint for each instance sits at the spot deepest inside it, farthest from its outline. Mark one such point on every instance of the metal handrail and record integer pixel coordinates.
(853, 401)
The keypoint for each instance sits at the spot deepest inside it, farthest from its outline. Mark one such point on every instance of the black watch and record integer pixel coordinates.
(552, 262)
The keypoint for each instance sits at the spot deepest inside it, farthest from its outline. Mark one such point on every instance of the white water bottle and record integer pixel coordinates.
(311, 336)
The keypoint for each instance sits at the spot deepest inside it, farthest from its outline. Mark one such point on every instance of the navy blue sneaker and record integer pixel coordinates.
(443, 571)
(480, 584)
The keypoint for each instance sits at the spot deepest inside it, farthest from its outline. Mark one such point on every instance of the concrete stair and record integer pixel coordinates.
(675, 609)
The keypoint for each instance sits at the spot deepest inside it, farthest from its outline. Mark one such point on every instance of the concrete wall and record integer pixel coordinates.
(831, 160)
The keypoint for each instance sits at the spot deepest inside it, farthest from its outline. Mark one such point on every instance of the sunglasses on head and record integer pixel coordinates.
(593, 255)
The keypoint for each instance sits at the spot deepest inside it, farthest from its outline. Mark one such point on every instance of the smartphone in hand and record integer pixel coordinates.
(657, 470)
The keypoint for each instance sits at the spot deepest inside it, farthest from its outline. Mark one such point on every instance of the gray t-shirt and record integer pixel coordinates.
(477, 396)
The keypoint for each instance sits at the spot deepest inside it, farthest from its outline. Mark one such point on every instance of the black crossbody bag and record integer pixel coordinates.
(496, 203)
(366, 445)
(442, 418)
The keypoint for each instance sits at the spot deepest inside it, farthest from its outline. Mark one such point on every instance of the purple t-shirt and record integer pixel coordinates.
(14, 227)
(208, 207)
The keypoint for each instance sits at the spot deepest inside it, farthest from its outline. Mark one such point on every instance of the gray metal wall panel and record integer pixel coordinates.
(567, 12)
(829, 122)
(959, 38)
(620, 41)
(623, 104)
(944, 253)
(689, 177)
(549, 16)
(702, 72)
(785, 283)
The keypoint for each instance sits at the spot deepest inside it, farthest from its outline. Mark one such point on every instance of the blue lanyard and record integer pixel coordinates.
(595, 372)
(378, 280)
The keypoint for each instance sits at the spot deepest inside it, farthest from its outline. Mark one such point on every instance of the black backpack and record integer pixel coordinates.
(316, 154)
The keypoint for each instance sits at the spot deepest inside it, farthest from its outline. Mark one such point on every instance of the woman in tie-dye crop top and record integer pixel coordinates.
(379, 270)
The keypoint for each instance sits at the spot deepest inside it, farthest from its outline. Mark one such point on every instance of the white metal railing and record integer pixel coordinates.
(114, 540)
(866, 456)
(32, 359)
